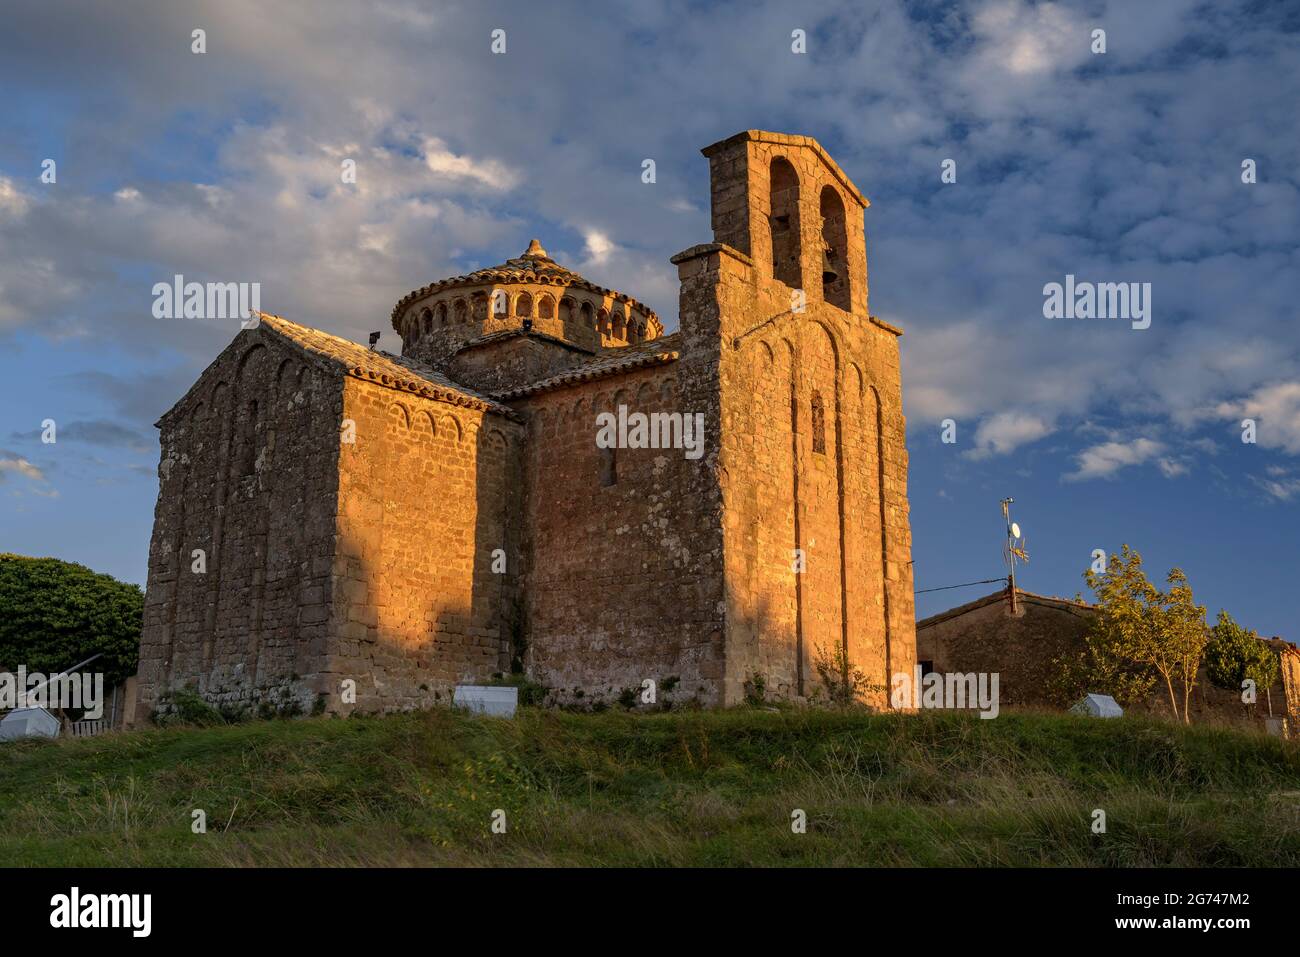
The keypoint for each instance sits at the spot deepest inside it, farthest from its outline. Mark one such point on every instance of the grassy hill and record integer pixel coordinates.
(688, 788)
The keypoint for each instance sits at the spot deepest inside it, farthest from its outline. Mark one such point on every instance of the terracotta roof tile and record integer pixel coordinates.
(614, 362)
(533, 265)
(382, 368)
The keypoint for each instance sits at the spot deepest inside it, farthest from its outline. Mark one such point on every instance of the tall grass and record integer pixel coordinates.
(676, 789)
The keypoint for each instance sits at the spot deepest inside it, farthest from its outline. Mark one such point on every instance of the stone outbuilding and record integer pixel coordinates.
(985, 636)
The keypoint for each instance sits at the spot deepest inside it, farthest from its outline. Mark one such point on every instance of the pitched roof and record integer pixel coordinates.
(338, 355)
(503, 334)
(382, 368)
(614, 362)
(1065, 604)
(788, 139)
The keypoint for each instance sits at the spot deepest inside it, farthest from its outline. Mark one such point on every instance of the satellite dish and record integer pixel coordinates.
(1015, 530)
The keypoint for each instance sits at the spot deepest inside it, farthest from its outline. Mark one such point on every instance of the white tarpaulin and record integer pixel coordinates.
(1097, 706)
(28, 723)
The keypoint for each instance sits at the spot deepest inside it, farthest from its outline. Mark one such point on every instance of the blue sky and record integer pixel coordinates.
(1118, 167)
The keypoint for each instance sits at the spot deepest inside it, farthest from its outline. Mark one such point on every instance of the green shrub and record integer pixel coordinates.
(54, 614)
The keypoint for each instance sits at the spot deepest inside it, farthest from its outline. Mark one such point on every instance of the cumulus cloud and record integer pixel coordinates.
(1278, 484)
(1276, 411)
(1104, 460)
(1171, 467)
(1005, 432)
(13, 204)
(487, 172)
(462, 156)
(599, 247)
(12, 463)
(1027, 39)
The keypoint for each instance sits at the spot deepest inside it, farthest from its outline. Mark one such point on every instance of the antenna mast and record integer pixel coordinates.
(1014, 549)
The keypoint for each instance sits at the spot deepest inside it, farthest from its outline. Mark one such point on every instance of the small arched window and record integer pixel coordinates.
(461, 311)
(524, 305)
(426, 321)
(545, 307)
(818, 423)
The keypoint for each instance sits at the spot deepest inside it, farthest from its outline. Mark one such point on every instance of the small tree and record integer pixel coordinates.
(1142, 635)
(1181, 636)
(1233, 655)
(1111, 661)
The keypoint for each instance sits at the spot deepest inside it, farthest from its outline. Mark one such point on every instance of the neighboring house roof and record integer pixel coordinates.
(1281, 646)
(1028, 598)
(614, 362)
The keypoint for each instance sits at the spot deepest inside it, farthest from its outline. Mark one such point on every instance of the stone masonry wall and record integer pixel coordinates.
(623, 579)
(513, 361)
(427, 493)
(248, 476)
(1019, 650)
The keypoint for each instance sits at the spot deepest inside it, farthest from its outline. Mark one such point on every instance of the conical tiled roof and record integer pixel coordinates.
(533, 265)
(534, 262)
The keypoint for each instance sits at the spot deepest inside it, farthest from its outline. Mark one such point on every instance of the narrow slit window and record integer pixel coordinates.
(818, 424)
(608, 467)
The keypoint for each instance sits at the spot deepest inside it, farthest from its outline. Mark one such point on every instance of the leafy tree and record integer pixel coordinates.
(1181, 636)
(54, 614)
(1234, 655)
(1141, 635)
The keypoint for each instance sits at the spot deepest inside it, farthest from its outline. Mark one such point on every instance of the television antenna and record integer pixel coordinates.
(1013, 551)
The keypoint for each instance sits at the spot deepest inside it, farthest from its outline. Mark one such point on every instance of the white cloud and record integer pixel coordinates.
(1104, 460)
(599, 247)
(1171, 467)
(1061, 174)
(16, 464)
(488, 172)
(1027, 39)
(1005, 432)
(1280, 485)
(13, 204)
(1276, 411)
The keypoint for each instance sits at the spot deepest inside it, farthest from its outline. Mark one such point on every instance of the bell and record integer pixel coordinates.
(829, 274)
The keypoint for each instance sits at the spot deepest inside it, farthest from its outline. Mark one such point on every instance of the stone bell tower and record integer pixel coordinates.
(812, 466)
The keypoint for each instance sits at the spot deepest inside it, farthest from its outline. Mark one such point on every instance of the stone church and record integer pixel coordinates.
(335, 521)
